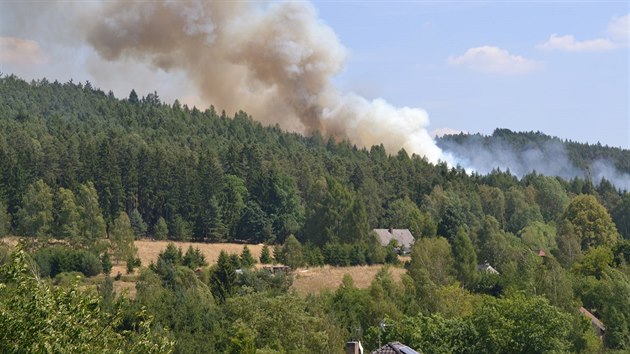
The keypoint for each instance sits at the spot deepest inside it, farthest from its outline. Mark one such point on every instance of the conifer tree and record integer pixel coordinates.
(223, 280)
(137, 224)
(160, 230)
(265, 255)
(247, 261)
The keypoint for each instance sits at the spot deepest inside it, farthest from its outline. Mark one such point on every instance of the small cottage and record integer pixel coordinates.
(598, 326)
(403, 237)
(487, 268)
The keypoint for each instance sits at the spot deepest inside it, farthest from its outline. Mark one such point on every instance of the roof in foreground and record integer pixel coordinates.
(394, 348)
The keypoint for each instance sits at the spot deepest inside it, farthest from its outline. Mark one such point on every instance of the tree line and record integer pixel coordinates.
(96, 171)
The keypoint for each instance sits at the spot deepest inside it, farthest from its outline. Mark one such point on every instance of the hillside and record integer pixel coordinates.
(524, 152)
(98, 172)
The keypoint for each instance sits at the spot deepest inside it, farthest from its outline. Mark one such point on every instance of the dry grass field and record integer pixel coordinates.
(307, 280)
(148, 251)
(313, 280)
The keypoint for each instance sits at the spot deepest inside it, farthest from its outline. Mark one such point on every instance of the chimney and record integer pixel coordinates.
(391, 230)
(354, 347)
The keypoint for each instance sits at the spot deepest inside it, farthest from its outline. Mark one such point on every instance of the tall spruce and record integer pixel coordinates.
(160, 230)
(137, 224)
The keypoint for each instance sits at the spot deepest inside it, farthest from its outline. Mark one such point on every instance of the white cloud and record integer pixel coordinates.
(19, 51)
(494, 60)
(618, 29)
(616, 37)
(569, 44)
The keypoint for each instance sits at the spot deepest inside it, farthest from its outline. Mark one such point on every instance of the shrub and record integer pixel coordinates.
(58, 259)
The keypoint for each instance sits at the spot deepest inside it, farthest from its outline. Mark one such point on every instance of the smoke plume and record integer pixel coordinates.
(274, 61)
(482, 155)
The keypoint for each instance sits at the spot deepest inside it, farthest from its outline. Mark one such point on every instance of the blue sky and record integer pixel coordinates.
(560, 67)
(576, 90)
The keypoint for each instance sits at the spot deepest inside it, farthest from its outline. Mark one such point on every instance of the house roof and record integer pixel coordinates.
(486, 267)
(594, 320)
(402, 236)
(394, 348)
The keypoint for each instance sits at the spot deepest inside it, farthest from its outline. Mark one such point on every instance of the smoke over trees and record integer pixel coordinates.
(275, 61)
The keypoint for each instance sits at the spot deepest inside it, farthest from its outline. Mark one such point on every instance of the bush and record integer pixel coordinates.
(58, 259)
(336, 254)
(67, 278)
(106, 263)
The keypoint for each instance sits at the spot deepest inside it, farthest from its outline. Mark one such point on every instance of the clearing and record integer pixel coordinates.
(310, 280)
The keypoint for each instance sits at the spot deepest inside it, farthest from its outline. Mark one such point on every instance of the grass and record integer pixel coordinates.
(148, 251)
(307, 280)
(314, 280)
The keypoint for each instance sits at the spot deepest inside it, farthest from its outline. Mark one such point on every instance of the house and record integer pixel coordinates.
(487, 268)
(275, 269)
(598, 326)
(403, 237)
(354, 347)
(394, 348)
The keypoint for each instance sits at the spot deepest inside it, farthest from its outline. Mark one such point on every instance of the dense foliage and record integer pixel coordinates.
(80, 165)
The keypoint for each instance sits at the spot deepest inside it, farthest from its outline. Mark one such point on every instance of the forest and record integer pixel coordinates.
(83, 174)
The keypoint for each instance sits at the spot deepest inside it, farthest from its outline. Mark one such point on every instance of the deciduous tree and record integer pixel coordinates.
(35, 218)
(121, 238)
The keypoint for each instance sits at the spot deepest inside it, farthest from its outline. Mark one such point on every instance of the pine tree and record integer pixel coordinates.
(194, 259)
(223, 280)
(247, 261)
(265, 255)
(181, 229)
(133, 97)
(137, 224)
(160, 230)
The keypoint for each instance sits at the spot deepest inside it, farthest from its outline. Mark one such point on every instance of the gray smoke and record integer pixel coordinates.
(273, 60)
(477, 154)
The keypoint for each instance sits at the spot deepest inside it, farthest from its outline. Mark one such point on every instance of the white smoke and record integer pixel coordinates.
(478, 154)
(274, 60)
